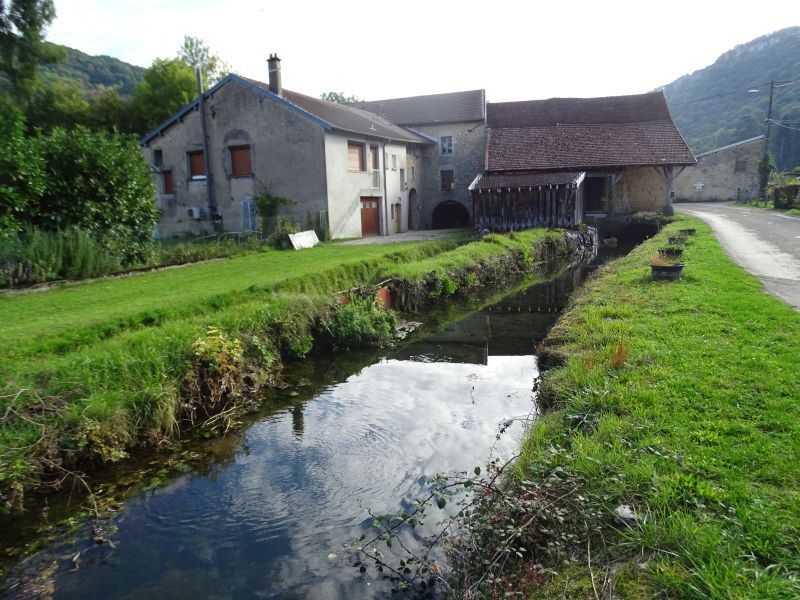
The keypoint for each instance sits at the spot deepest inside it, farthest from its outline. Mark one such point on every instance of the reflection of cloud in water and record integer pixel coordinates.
(267, 522)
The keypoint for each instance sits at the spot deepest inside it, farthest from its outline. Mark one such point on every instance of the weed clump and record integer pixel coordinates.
(362, 322)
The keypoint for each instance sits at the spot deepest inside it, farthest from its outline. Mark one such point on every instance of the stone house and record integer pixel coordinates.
(344, 168)
(727, 173)
(440, 173)
(556, 162)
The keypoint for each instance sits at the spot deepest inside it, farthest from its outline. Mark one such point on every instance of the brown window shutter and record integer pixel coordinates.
(355, 157)
(447, 180)
(373, 153)
(241, 164)
(169, 184)
(197, 166)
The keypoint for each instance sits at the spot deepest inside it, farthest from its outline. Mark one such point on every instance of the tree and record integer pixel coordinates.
(197, 55)
(21, 172)
(339, 97)
(168, 85)
(101, 183)
(22, 46)
(59, 104)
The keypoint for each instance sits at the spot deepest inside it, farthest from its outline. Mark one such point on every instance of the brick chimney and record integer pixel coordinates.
(275, 75)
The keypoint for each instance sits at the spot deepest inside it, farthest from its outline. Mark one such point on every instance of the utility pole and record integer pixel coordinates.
(212, 209)
(764, 170)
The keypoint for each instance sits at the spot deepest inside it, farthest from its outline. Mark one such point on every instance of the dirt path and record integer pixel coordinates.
(765, 243)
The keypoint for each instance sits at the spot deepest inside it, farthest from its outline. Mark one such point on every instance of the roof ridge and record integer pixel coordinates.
(422, 96)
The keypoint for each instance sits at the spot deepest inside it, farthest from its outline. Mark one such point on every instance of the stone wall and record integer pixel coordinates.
(641, 189)
(467, 161)
(715, 176)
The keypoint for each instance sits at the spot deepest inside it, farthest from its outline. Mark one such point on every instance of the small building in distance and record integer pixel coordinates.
(727, 173)
(439, 174)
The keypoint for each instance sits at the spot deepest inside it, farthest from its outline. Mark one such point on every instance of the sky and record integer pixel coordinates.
(520, 50)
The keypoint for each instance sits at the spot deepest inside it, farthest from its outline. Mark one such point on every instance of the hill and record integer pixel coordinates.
(93, 74)
(712, 107)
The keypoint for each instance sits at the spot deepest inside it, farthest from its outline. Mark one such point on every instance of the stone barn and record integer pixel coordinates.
(727, 173)
(555, 162)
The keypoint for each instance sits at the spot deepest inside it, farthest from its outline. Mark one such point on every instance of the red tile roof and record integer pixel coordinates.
(452, 107)
(583, 133)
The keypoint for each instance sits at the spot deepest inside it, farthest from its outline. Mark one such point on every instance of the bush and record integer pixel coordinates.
(21, 172)
(101, 183)
(786, 196)
(362, 322)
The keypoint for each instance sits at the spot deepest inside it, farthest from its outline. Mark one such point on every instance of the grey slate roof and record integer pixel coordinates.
(583, 133)
(327, 114)
(452, 107)
(733, 145)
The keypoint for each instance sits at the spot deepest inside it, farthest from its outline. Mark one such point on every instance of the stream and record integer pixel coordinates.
(271, 510)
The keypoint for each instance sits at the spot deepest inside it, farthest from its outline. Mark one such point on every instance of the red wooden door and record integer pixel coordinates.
(370, 219)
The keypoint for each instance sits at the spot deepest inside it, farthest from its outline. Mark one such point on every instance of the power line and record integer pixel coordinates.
(720, 95)
(784, 126)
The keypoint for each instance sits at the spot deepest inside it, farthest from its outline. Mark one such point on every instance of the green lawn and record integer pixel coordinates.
(82, 312)
(681, 399)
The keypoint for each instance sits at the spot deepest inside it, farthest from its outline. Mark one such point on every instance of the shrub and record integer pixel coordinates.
(21, 172)
(362, 322)
(101, 183)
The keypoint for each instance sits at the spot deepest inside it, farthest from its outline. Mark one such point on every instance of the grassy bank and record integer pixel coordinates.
(679, 399)
(495, 260)
(93, 370)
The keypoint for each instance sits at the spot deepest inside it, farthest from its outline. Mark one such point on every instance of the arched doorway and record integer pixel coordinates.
(412, 202)
(450, 215)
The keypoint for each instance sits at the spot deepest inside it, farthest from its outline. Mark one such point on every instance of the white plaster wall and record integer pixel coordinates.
(345, 187)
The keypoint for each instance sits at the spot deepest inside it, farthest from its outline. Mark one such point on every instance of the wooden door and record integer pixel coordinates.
(370, 217)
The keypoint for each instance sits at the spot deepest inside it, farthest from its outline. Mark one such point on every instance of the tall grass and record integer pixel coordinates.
(36, 256)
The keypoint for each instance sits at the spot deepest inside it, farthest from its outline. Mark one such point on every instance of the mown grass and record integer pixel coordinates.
(681, 399)
(63, 319)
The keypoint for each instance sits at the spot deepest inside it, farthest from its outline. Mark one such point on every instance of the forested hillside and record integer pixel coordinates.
(713, 107)
(93, 74)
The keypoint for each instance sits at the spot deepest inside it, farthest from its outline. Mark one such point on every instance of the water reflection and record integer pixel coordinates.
(298, 483)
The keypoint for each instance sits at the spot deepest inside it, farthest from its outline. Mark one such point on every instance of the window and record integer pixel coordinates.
(373, 157)
(241, 166)
(413, 173)
(402, 179)
(158, 157)
(169, 184)
(394, 162)
(197, 166)
(447, 144)
(356, 161)
(448, 179)
(740, 167)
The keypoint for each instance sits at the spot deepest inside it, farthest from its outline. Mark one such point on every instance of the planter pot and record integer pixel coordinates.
(671, 252)
(676, 239)
(688, 231)
(666, 271)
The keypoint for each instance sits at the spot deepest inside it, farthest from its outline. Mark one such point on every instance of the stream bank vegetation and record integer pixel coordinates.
(93, 372)
(665, 463)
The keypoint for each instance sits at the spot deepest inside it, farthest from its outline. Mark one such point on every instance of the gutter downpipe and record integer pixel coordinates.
(385, 192)
(212, 209)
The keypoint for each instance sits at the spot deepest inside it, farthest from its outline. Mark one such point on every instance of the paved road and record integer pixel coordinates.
(766, 243)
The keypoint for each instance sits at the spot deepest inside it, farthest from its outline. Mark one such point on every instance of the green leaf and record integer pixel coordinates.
(441, 502)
